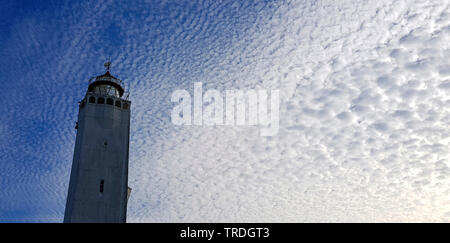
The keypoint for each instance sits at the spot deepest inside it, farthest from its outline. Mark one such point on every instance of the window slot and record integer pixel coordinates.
(102, 185)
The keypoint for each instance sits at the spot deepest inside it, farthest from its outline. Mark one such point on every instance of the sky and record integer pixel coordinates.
(364, 107)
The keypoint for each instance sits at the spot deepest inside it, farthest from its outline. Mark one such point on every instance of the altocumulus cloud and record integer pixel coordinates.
(363, 107)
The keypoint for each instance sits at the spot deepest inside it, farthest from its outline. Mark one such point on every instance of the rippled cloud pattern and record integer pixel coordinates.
(364, 107)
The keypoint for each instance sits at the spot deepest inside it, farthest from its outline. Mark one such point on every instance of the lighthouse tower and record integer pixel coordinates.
(98, 187)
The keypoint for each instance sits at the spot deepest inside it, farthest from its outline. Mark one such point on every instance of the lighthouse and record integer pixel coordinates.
(98, 188)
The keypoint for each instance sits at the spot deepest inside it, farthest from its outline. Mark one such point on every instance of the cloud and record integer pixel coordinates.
(363, 113)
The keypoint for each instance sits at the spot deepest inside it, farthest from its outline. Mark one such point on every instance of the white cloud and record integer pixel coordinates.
(363, 115)
(360, 126)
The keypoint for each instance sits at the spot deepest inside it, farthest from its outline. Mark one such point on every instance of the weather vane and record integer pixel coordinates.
(107, 65)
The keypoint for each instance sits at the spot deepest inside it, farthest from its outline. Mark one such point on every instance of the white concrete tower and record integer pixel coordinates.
(98, 187)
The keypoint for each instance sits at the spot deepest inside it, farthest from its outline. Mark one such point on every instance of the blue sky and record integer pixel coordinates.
(363, 114)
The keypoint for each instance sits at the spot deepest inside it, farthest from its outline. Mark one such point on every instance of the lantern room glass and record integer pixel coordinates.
(107, 90)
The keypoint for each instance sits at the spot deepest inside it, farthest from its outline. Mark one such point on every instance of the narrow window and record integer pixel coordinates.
(92, 99)
(125, 106)
(101, 100)
(110, 101)
(102, 185)
(118, 104)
